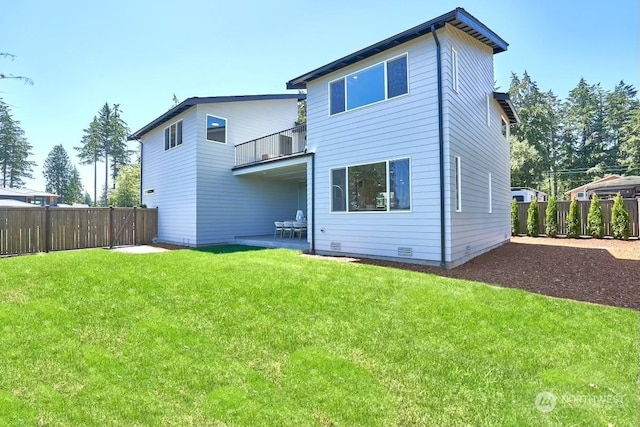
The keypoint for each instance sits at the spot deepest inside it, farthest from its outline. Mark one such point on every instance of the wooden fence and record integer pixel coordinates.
(31, 230)
(631, 205)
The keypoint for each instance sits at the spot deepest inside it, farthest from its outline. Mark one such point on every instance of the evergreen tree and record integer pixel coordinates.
(630, 144)
(574, 223)
(90, 151)
(620, 105)
(595, 221)
(61, 176)
(620, 225)
(533, 219)
(15, 150)
(551, 222)
(515, 221)
(127, 191)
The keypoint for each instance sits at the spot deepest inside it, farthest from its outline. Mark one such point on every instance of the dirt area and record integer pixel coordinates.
(141, 249)
(601, 271)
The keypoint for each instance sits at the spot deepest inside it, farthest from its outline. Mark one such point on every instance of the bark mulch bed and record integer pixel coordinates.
(601, 271)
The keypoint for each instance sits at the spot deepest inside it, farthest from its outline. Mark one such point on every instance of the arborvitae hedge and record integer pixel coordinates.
(595, 221)
(533, 219)
(515, 222)
(620, 225)
(551, 223)
(574, 224)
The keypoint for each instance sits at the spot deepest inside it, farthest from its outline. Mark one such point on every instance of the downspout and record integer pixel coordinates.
(441, 148)
(313, 203)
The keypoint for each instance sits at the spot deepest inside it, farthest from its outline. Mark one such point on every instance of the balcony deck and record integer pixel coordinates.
(275, 146)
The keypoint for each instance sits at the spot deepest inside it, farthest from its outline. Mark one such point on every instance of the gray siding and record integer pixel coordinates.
(403, 127)
(482, 150)
(172, 175)
(228, 205)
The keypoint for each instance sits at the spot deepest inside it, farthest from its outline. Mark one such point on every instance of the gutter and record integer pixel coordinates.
(440, 148)
(313, 203)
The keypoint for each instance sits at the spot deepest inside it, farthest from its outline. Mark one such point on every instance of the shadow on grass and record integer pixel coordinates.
(228, 249)
(582, 274)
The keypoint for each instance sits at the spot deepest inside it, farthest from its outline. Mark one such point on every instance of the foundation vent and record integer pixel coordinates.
(336, 246)
(405, 252)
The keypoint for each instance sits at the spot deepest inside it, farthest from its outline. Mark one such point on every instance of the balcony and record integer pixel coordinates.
(278, 145)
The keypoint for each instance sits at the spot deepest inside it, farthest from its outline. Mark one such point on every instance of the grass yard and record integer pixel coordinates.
(232, 336)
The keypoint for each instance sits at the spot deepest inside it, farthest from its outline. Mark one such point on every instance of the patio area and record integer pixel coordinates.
(268, 241)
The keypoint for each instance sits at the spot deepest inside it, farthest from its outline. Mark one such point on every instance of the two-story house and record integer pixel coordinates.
(405, 156)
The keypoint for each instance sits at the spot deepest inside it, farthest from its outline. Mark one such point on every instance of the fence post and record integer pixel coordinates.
(112, 232)
(47, 229)
(135, 226)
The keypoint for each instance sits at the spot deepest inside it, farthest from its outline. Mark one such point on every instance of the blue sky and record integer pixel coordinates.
(81, 54)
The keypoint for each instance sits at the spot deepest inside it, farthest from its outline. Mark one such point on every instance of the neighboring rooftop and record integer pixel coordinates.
(24, 192)
(458, 18)
(621, 182)
(582, 187)
(190, 102)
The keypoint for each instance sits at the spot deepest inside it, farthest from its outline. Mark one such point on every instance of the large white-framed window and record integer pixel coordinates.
(216, 129)
(173, 135)
(455, 70)
(383, 186)
(490, 192)
(379, 82)
(458, 192)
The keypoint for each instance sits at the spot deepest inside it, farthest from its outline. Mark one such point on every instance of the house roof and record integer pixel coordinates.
(582, 187)
(9, 203)
(621, 182)
(507, 106)
(24, 192)
(190, 102)
(458, 18)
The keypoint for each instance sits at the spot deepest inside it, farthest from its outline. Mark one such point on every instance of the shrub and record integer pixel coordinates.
(595, 222)
(533, 219)
(620, 225)
(515, 222)
(574, 225)
(551, 223)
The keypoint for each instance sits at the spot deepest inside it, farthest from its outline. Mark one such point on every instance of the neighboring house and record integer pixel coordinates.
(406, 155)
(38, 198)
(581, 193)
(527, 194)
(10, 203)
(627, 186)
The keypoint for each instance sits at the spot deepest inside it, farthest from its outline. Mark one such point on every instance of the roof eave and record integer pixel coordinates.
(507, 106)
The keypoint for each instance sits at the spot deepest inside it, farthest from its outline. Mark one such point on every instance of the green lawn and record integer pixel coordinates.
(266, 337)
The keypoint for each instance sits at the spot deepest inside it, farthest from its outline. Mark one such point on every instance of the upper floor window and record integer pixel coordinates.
(376, 83)
(454, 70)
(173, 135)
(216, 129)
(380, 187)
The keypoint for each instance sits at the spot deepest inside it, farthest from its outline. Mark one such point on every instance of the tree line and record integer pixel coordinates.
(562, 144)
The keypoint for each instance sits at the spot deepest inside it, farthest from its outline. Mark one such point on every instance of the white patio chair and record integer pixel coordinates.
(279, 229)
(299, 228)
(288, 228)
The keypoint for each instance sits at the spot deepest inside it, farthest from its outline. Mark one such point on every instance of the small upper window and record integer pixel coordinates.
(458, 185)
(454, 70)
(379, 82)
(505, 128)
(173, 135)
(216, 129)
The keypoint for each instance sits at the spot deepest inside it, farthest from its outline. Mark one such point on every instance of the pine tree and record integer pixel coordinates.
(595, 221)
(62, 178)
(620, 225)
(551, 221)
(574, 223)
(515, 221)
(533, 219)
(90, 151)
(15, 150)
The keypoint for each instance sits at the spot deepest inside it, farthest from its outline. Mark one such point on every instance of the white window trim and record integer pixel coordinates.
(346, 191)
(226, 127)
(490, 193)
(489, 110)
(386, 88)
(505, 122)
(458, 184)
(455, 72)
(181, 139)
